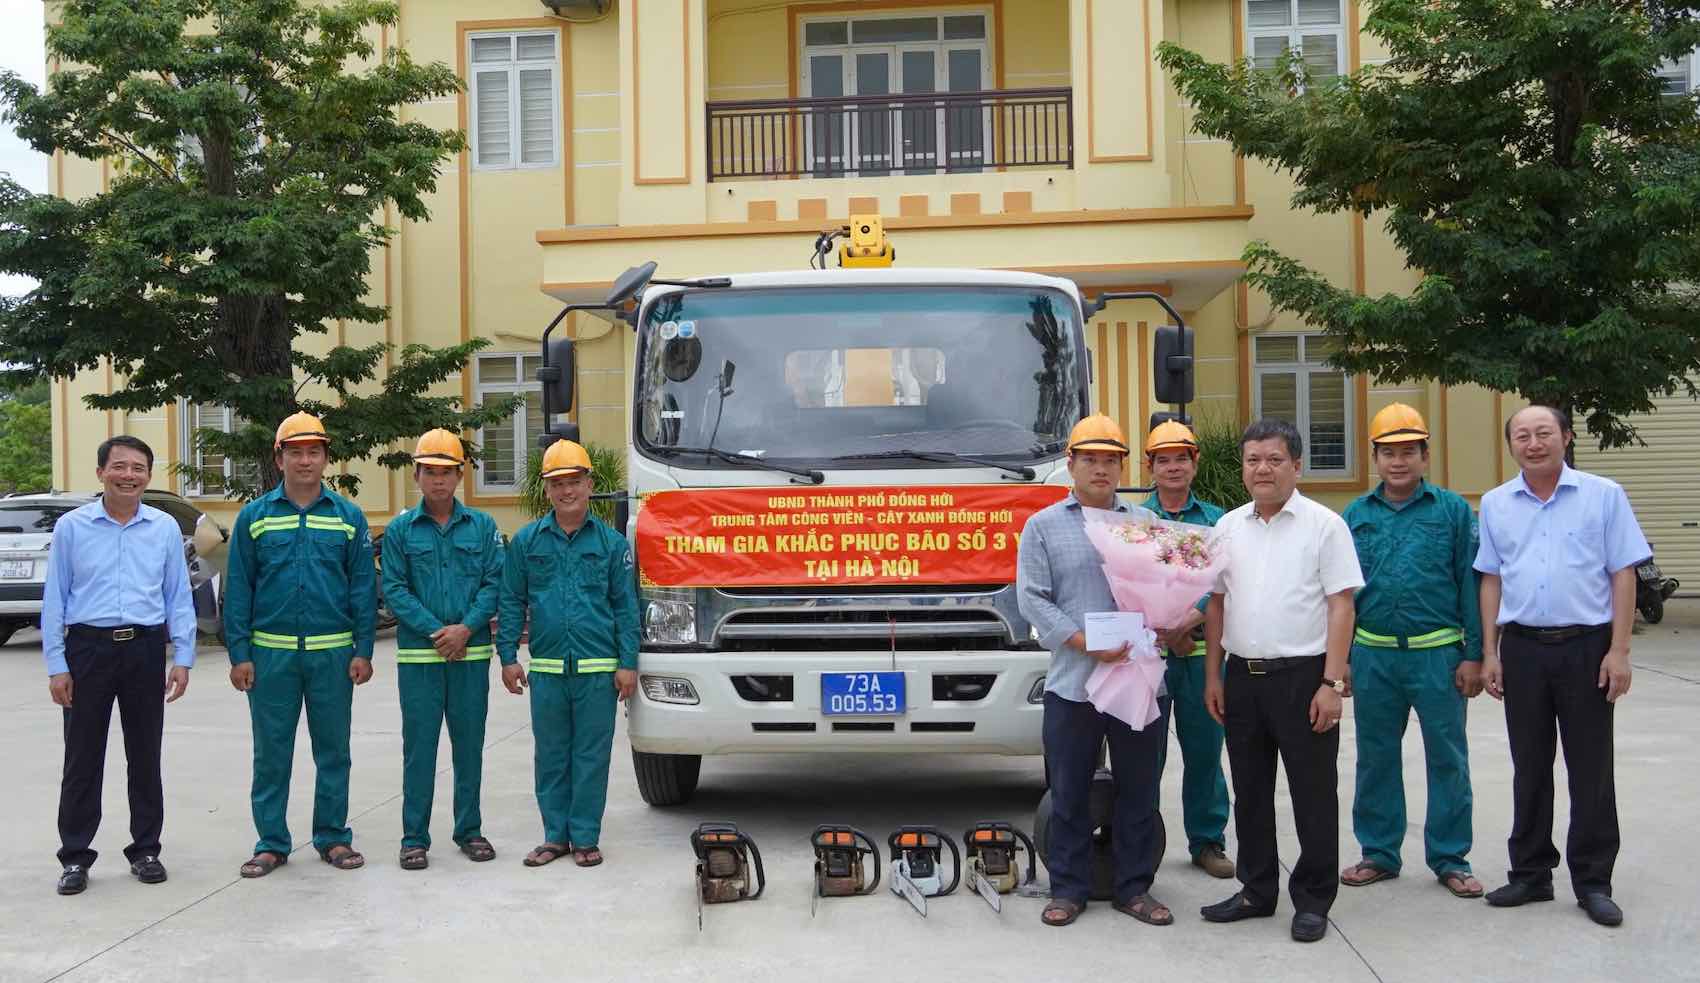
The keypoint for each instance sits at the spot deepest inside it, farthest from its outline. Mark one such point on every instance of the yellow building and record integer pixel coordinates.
(720, 136)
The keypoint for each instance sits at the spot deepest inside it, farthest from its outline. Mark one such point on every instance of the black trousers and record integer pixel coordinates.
(132, 675)
(1267, 715)
(1552, 691)
(1074, 734)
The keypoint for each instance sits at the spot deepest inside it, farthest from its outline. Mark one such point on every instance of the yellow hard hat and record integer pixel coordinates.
(439, 447)
(564, 458)
(1097, 433)
(1171, 435)
(300, 427)
(1397, 424)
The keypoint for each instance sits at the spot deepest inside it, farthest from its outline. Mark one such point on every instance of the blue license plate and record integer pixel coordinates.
(865, 693)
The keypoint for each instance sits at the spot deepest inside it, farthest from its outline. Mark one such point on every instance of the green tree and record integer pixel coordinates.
(255, 144)
(1527, 164)
(607, 474)
(26, 446)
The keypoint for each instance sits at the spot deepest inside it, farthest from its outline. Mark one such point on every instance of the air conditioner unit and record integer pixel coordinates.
(579, 8)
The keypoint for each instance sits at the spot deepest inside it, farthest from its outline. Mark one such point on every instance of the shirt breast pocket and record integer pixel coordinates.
(593, 574)
(469, 559)
(1366, 537)
(327, 548)
(539, 574)
(1585, 547)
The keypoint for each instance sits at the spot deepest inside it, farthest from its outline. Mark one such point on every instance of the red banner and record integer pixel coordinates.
(946, 534)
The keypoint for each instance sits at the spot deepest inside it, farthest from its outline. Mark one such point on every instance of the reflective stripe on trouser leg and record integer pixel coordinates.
(330, 700)
(423, 699)
(1380, 712)
(1441, 714)
(274, 711)
(1204, 786)
(467, 686)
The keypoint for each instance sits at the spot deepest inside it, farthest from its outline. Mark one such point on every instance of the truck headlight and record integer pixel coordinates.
(669, 619)
(668, 689)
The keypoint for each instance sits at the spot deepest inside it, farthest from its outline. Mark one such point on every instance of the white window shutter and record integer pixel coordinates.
(1322, 54)
(493, 127)
(537, 115)
(1319, 12)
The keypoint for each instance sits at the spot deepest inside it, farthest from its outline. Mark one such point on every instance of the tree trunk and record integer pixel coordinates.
(252, 342)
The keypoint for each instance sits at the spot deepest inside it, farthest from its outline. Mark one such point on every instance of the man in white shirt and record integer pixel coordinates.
(1282, 615)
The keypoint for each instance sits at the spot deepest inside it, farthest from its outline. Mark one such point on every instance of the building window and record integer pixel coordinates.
(206, 416)
(1292, 381)
(1317, 28)
(516, 100)
(1677, 77)
(505, 445)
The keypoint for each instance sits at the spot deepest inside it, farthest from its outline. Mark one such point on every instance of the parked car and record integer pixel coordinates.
(26, 532)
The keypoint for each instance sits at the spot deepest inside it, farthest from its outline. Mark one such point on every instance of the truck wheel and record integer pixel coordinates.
(1101, 858)
(666, 779)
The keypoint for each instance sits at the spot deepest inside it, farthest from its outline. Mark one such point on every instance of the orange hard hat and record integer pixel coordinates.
(1397, 424)
(564, 457)
(300, 427)
(439, 447)
(1171, 435)
(1097, 433)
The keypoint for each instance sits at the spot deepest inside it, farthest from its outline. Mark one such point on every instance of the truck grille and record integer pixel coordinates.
(863, 623)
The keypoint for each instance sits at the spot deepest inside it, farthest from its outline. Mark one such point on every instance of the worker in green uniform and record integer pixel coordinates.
(300, 600)
(442, 576)
(573, 574)
(1171, 452)
(1417, 646)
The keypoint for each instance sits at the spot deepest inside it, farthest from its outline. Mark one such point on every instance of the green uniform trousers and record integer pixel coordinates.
(1387, 684)
(430, 693)
(1204, 789)
(283, 682)
(572, 726)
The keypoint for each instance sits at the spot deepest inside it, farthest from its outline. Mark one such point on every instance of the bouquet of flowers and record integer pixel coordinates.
(1160, 569)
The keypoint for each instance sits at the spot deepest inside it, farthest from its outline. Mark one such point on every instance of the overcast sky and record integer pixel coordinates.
(21, 52)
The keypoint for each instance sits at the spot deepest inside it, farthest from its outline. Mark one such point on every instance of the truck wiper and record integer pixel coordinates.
(747, 460)
(944, 457)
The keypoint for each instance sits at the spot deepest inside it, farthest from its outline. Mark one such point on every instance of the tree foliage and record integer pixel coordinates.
(1528, 166)
(254, 145)
(26, 446)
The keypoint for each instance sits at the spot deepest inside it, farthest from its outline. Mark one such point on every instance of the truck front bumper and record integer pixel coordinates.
(1004, 719)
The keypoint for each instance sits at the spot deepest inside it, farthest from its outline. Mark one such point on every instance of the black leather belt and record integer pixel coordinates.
(1553, 636)
(1263, 667)
(122, 633)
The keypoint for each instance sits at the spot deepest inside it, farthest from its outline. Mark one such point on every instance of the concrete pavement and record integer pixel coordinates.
(635, 917)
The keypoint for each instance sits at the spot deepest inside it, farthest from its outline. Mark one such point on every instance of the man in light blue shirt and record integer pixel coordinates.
(1557, 557)
(117, 585)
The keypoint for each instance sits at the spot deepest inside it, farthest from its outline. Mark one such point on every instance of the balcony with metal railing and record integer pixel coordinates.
(878, 136)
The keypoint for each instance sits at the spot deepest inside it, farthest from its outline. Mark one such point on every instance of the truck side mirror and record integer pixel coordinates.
(727, 369)
(557, 375)
(1171, 364)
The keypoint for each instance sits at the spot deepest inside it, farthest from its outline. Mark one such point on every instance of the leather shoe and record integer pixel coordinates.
(1308, 926)
(73, 879)
(148, 870)
(1601, 908)
(1213, 860)
(1519, 893)
(1236, 908)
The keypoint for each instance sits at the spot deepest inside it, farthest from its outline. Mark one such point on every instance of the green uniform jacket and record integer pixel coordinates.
(581, 590)
(300, 578)
(440, 575)
(1417, 564)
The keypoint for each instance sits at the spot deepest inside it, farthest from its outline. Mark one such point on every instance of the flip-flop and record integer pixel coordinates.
(1070, 909)
(1377, 873)
(588, 856)
(260, 867)
(549, 852)
(1146, 909)
(1456, 881)
(479, 849)
(348, 859)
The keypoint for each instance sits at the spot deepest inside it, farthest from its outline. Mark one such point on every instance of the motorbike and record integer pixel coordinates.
(1652, 589)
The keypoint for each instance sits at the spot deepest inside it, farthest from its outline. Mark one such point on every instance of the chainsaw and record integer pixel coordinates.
(842, 863)
(725, 858)
(994, 868)
(917, 864)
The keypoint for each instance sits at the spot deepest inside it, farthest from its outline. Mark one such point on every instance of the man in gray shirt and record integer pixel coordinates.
(1059, 578)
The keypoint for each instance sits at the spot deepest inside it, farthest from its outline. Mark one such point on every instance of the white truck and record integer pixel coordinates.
(828, 473)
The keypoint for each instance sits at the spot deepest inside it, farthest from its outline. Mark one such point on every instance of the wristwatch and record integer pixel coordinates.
(1336, 685)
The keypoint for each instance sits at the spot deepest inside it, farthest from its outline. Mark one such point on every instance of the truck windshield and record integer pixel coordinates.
(828, 374)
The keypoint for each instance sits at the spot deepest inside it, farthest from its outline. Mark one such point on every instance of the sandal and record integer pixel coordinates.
(1063, 907)
(1461, 883)
(1147, 909)
(1363, 873)
(479, 849)
(546, 853)
(413, 858)
(264, 863)
(587, 856)
(346, 859)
